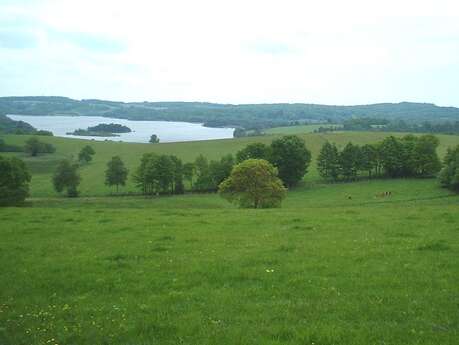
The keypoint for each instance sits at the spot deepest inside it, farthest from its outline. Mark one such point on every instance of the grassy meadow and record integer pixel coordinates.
(192, 269)
(335, 265)
(300, 129)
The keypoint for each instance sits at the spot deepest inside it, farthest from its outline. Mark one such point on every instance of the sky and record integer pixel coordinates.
(327, 52)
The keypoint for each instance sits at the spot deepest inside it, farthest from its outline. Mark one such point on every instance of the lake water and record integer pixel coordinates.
(141, 130)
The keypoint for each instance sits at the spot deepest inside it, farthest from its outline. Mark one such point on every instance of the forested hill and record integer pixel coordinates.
(9, 126)
(216, 115)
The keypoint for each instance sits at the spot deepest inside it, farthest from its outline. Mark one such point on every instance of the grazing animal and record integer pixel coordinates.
(383, 194)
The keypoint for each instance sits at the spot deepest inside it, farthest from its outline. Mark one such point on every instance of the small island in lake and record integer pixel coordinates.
(102, 130)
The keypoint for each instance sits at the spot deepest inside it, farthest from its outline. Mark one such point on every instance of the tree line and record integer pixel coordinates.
(257, 176)
(33, 146)
(381, 124)
(10, 126)
(409, 156)
(156, 174)
(165, 174)
(247, 116)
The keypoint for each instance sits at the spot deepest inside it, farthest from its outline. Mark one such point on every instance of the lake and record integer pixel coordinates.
(141, 130)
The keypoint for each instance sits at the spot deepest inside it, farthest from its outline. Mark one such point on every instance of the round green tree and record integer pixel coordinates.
(253, 184)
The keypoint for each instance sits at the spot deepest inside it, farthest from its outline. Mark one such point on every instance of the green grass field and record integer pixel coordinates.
(334, 265)
(300, 129)
(92, 184)
(192, 269)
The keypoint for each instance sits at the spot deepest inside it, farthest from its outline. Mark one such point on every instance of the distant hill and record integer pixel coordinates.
(219, 115)
(10, 126)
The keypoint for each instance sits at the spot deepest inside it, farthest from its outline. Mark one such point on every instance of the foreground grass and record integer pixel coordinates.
(42, 167)
(324, 269)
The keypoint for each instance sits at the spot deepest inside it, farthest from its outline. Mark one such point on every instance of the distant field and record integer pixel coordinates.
(192, 269)
(43, 166)
(297, 129)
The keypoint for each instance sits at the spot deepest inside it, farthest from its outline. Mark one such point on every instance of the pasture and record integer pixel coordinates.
(337, 264)
(193, 269)
(299, 129)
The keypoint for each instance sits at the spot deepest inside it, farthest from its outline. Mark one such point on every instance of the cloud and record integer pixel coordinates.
(96, 43)
(232, 51)
(271, 47)
(17, 39)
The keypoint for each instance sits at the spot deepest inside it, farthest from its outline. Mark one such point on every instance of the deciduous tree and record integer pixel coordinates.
(116, 173)
(221, 169)
(328, 161)
(188, 173)
(254, 150)
(291, 157)
(349, 161)
(368, 158)
(66, 177)
(33, 146)
(253, 183)
(425, 157)
(154, 139)
(203, 178)
(85, 155)
(14, 181)
(449, 175)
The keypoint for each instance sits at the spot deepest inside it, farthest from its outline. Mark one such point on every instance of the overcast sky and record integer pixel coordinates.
(330, 52)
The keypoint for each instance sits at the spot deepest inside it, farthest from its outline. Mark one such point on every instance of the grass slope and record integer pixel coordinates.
(300, 129)
(193, 269)
(92, 184)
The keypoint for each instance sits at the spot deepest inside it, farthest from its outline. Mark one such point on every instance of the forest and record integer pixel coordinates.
(248, 116)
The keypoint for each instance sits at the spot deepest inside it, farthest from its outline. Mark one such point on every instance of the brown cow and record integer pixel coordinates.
(383, 194)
